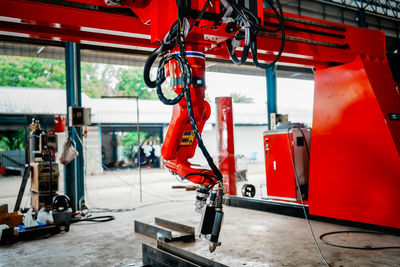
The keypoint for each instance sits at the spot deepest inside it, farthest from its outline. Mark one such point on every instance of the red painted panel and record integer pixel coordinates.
(281, 182)
(226, 142)
(355, 163)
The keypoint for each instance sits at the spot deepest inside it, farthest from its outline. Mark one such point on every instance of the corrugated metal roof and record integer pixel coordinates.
(34, 101)
(31, 101)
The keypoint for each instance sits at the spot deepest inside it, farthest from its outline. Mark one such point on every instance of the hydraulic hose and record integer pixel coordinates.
(279, 16)
(149, 63)
(251, 24)
(168, 43)
(161, 78)
(246, 47)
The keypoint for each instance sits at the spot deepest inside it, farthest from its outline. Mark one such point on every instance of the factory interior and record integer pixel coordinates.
(200, 133)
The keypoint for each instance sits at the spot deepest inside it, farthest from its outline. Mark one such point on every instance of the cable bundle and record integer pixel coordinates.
(248, 22)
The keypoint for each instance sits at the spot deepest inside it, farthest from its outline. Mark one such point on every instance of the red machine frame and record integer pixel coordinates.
(354, 169)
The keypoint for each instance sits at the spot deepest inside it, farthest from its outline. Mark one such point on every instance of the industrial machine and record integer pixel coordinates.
(45, 172)
(354, 169)
(287, 152)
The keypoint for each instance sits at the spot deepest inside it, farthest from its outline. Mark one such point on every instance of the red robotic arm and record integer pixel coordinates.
(180, 142)
(143, 25)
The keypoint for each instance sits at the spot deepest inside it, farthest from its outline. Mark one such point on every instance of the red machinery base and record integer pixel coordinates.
(355, 144)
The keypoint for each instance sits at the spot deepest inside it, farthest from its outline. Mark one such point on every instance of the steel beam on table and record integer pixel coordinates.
(166, 230)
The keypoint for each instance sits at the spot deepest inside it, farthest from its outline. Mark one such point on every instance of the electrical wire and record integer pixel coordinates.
(321, 237)
(50, 175)
(113, 210)
(203, 10)
(283, 38)
(161, 78)
(186, 76)
(246, 48)
(127, 183)
(185, 70)
(302, 202)
(252, 25)
(95, 219)
(354, 247)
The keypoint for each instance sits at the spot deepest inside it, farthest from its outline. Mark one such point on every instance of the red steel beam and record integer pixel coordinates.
(307, 39)
(35, 11)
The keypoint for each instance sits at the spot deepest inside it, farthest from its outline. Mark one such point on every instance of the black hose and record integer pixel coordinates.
(253, 21)
(98, 219)
(50, 173)
(186, 75)
(283, 38)
(161, 78)
(200, 142)
(149, 63)
(167, 44)
(233, 56)
(353, 247)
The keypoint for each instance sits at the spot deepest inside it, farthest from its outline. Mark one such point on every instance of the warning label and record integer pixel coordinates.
(187, 138)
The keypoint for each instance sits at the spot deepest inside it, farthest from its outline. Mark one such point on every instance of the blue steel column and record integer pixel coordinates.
(114, 146)
(271, 92)
(74, 186)
(361, 18)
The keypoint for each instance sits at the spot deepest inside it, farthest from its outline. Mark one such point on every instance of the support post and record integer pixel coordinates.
(361, 18)
(226, 143)
(74, 186)
(139, 147)
(114, 145)
(271, 93)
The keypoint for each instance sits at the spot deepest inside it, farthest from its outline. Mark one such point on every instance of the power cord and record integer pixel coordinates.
(249, 21)
(181, 28)
(321, 237)
(301, 197)
(95, 219)
(132, 185)
(354, 247)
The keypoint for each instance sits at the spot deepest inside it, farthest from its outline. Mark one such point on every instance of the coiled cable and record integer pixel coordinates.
(246, 48)
(161, 78)
(252, 25)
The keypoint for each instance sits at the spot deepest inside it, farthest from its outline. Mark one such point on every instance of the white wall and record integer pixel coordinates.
(249, 141)
(92, 151)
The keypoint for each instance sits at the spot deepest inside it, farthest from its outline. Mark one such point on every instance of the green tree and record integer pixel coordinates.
(32, 72)
(130, 141)
(131, 83)
(239, 98)
(10, 140)
(97, 79)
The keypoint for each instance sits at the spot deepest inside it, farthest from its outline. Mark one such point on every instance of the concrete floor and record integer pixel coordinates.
(249, 238)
